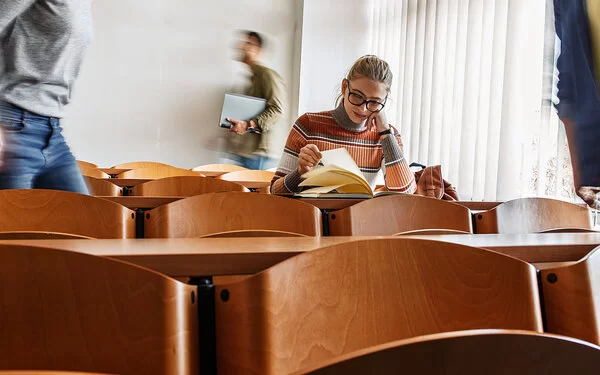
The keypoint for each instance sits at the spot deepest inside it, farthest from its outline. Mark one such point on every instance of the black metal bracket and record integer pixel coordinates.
(541, 296)
(206, 324)
(325, 221)
(139, 222)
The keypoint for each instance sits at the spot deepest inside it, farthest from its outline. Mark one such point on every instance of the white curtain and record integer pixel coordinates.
(473, 92)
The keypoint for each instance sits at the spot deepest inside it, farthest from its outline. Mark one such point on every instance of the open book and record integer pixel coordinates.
(338, 177)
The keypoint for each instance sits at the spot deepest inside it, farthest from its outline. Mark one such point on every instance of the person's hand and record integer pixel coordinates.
(378, 121)
(238, 126)
(309, 157)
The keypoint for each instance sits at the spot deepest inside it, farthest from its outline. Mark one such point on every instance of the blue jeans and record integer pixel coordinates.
(255, 162)
(34, 154)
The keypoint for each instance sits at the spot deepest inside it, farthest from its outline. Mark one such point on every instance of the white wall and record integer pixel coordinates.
(334, 34)
(153, 82)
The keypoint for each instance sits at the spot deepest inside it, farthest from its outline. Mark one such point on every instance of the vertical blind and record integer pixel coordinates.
(473, 88)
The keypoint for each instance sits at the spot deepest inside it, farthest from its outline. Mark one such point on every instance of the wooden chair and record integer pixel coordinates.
(63, 310)
(220, 212)
(571, 298)
(92, 172)
(33, 210)
(157, 172)
(38, 235)
(388, 215)
(43, 372)
(86, 164)
(339, 299)
(218, 168)
(569, 230)
(253, 233)
(530, 215)
(184, 186)
(141, 164)
(102, 187)
(490, 352)
(431, 232)
(252, 179)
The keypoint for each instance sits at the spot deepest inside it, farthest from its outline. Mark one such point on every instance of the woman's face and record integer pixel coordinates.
(364, 88)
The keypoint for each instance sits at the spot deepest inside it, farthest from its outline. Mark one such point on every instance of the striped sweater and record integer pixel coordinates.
(374, 156)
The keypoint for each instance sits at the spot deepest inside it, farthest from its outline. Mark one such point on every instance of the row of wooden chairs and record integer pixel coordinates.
(214, 213)
(493, 352)
(324, 304)
(155, 167)
(352, 305)
(383, 216)
(146, 164)
(251, 178)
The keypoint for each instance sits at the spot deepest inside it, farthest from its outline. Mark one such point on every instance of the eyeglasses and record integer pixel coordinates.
(358, 100)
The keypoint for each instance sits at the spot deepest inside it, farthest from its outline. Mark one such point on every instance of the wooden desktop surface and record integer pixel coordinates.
(114, 171)
(212, 173)
(236, 256)
(123, 182)
(134, 202)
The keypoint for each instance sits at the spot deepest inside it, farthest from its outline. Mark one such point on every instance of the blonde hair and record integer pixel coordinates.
(371, 67)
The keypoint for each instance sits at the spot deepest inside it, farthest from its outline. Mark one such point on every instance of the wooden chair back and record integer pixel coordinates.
(388, 215)
(490, 352)
(102, 187)
(92, 172)
(220, 212)
(218, 168)
(157, 172)
(569, 230)
(184, 186)
(44, 372)
(86, 164)
(36, 235)
(33, 210)
(253, 179)
(339, 299)
(141, 164)
(530, 215)
(571, 299)
(253, 233)
(431, 232)
(64, 310)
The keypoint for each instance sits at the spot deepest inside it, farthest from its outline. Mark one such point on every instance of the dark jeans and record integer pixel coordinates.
(34, 154)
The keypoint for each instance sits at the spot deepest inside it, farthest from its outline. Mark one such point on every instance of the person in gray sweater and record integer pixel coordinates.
(42, 45)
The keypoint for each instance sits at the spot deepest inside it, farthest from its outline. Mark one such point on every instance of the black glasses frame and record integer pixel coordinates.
(364, 100)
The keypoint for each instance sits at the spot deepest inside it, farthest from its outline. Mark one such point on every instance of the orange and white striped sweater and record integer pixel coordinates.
(328, 130)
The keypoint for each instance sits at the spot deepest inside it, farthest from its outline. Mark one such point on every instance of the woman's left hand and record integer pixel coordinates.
(378, 120)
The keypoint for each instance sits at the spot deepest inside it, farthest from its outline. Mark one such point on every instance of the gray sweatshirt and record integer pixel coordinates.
(42, 44)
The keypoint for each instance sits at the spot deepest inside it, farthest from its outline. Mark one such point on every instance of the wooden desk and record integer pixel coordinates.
(332, 204)
(148, 203)
(254, 184)
(213, 173)
(238, 256)
(134, 202)
(114, 171)
(123, 182)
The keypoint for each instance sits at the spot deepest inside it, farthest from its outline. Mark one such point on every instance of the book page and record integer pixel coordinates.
(333, 175)
(341, 158)
(325, 176)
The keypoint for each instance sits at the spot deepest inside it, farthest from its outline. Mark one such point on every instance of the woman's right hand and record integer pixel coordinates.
(309, 157)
